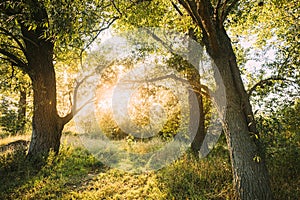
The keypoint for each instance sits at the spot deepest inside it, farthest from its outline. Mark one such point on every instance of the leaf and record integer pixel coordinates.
(257, 159)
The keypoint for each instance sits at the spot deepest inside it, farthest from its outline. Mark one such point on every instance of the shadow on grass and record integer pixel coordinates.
(12, 172)
(61, 174)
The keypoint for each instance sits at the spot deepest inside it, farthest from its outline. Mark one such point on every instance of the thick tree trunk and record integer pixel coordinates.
(47, 126)
(250, 174)
(249, 170)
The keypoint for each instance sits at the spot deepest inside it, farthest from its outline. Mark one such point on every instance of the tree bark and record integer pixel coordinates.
(201, 133)
(249, 170)
(250, 175)
(194, 79)
(47, 126)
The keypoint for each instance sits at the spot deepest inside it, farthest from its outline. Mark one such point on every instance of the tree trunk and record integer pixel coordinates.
(200, 134)
(194, 79)
(249, 170)
(37, 47)
(250, 175)
(47, 126)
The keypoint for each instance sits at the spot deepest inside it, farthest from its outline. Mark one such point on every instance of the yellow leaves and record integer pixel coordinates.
(257, 159)
(46, 25)
(32, 27)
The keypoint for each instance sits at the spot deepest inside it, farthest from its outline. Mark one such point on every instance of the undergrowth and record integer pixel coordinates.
(76, 174)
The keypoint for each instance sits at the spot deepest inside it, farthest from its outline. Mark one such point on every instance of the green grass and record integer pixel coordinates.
(76, 174)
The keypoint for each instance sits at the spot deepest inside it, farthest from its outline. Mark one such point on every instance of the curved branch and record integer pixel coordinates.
(265, 81)
(15, 60)
(74, 109)
(194, 87)
(96, 36)
(6, 32)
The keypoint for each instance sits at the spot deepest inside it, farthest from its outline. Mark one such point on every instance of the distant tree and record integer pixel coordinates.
(15, 87)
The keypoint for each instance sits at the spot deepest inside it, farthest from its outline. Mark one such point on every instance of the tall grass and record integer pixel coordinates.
(76, 174)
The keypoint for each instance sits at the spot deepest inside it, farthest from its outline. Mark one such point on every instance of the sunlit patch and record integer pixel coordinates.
(138, 111)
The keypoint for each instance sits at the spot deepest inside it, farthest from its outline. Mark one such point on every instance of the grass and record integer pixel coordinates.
(8, 139)
(76, 174)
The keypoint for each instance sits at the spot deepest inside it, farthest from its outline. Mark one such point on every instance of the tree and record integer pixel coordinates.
(194, 80)
(35, 32)
(250, 174)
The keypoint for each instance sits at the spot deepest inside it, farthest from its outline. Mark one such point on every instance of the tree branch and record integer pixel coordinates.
(96, 36)
(195, 87)
(191, 8)
(176, 8)
(265, 81)
(227, 10)
(6, 32)
(74, 109)
(155, 37)
(202, 13)
(116, 7)
(17, 61)
(217, 11)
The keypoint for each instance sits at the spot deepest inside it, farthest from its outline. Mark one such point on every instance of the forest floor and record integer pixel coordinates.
(77, 174)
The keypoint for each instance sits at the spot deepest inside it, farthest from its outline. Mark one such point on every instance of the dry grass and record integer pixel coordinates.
(10, 139)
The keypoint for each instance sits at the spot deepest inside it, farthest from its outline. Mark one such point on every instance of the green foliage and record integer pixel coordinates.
(8, 118)
(9, 121)
(109, 127)
(155, 13)
(271, 31)
(280, 135)
(12, 155)
(15, 99)
(68, 23)
(189, 178)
